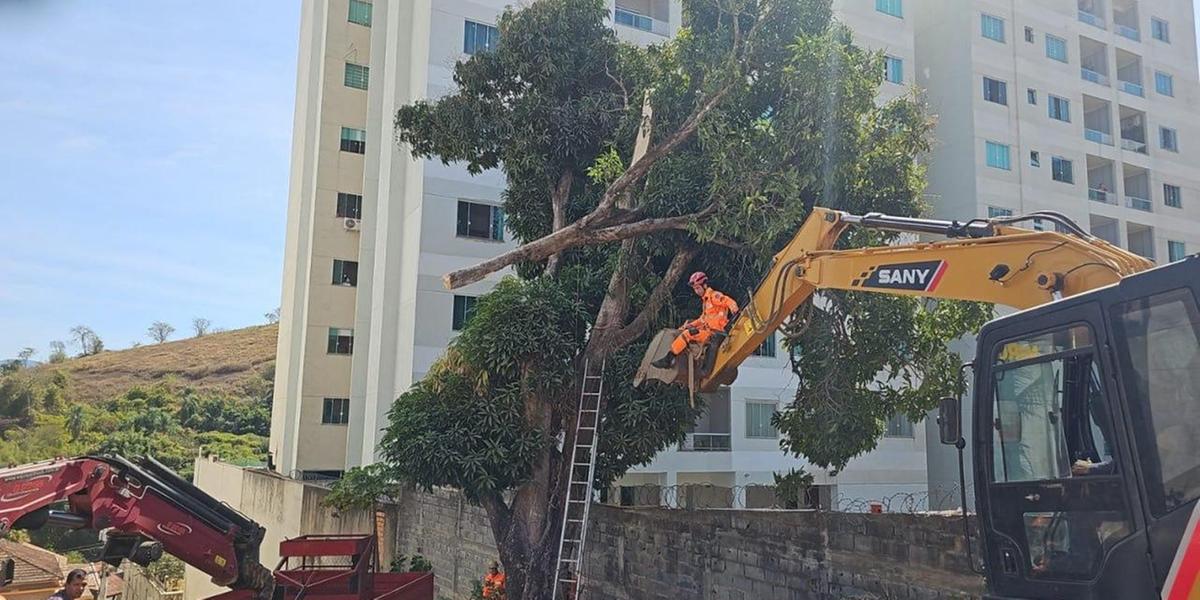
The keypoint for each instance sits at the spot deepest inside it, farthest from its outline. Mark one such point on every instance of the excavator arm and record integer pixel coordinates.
(142, 510)
(988, 260)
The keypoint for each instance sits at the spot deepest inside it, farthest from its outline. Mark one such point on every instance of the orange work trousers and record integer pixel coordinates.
(681, 341)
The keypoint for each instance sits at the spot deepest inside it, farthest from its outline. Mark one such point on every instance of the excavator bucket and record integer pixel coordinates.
(659, 347)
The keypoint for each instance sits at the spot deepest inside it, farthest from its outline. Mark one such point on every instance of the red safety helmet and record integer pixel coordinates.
(698, 278)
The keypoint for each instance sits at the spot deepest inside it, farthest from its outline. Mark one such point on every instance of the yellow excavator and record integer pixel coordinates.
(1085, 407)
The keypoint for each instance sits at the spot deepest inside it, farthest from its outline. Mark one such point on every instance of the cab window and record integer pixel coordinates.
(1158, 341)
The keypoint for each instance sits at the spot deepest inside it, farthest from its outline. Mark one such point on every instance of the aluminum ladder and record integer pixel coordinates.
(579, 484)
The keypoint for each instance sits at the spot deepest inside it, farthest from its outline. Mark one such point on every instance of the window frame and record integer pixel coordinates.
(1035, 159)
(1062, 105)
(986, 19)
(1001, 90)
(330, 413)
(1161, 78)
(761, 431)
(359, 4)
(334, 343)
(471, 44)
(1055, 161)
(768, 348)
(346, 201)
(356, 76)
(1058, 42)
(340, 277)
(893, 8)
(1173, 245)
(1158, 25)
(1168, 133)
(988, 145)
(462, 310)
(1168, 188)
(893, 69)
(349, 144)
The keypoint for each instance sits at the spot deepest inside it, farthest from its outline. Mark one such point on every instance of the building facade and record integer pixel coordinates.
(1084, 107)
(371, 231)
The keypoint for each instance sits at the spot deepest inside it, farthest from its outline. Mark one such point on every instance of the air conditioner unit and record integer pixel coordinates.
(351, 224)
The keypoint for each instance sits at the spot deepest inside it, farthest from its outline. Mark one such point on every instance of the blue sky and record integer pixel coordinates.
(143, 165)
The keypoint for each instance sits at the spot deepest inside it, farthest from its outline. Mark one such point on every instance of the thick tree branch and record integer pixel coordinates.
(571, 236)
(683, 257)
(558, 209)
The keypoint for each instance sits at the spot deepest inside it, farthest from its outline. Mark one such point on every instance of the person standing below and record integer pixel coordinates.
(715, 316)
(74, 587)
(493, 583)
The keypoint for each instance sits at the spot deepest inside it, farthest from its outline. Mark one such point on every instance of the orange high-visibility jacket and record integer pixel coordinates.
(493, 585)
(717, 308)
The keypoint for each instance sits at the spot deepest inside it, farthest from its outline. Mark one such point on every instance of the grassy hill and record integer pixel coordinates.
(229, 362)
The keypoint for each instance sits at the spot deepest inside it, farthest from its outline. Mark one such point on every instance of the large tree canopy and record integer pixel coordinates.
(761, 110)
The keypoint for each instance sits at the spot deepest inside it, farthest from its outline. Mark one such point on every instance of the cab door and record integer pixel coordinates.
(1053, 469)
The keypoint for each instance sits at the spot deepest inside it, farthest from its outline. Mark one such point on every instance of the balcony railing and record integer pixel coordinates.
(1100, 137)
(1139, 203)
(1093, 76)
(1136, 89)
(632, 19)
(705, 442)
(1091, 19)
(1096, 195)
(1133, 146)
(1129, 32)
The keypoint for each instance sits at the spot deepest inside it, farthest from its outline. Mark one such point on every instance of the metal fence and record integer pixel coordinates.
(767, 497)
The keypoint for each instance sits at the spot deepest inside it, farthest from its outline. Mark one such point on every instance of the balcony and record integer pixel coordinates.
(1105, 228)
(1133, 88)
(1091, 19)
(1133, 146)
(705, 442)
(1102, 196)
(1093, 135)
(1092, 76)
(1139, 203)
(646, 15)
(1141, 239)
(1129, 32)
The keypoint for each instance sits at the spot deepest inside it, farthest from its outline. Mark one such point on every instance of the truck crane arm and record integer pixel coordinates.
(987, 260)
(142, 509)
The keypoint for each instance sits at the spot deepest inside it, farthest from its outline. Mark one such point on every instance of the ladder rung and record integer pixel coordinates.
(579, 464)
(574, 520)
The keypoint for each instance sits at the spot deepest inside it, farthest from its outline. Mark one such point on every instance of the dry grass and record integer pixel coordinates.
(218, 362)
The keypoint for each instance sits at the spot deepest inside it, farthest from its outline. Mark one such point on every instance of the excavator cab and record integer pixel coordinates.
(1086, 442)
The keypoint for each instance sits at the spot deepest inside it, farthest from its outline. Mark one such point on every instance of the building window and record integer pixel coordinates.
(997, 156)
(992, 27)
(767, 348)
(890, 7)
(1061, 170)
(1056, 48)
(354, 140)
(1031, 96)
(357, 76)
(1168, 139)
(624, 16)
(478, 37)
(482, 221)
(995, 90)
(1029, 34)
(898, 427)
(345, 272)
(1060, 108)
(341, 341)
(1160, 30)
(335, 411)
(1039, 225)
(1035, 159)
(349, 205)
(996, 211)
(360, 12)
(1164, 84)
(893, 69)
(464, 308)
(1176, 250)
(1172, 196)
(758, 420)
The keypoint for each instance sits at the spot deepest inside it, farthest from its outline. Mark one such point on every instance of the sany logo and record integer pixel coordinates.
(919, 276)
(174, 528)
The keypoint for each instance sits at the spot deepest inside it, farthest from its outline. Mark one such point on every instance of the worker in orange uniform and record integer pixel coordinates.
(493, 583)
(715, 316)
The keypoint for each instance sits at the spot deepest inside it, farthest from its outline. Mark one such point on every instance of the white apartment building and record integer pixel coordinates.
(1085, 107)
(371, 231)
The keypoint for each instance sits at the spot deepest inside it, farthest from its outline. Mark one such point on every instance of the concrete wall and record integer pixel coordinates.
(140, 586)
(639, 553)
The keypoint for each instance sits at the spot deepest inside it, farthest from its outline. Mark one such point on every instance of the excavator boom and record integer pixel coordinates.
(988, 260)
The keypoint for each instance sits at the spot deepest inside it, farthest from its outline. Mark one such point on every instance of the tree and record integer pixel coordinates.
(761, 109)
(58, 352)
(160, 331)
(89, 343)
(76, 420)
(201, 326)
(273, 316)
(26, 354)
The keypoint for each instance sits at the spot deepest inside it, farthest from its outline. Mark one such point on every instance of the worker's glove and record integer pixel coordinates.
(693, 331)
